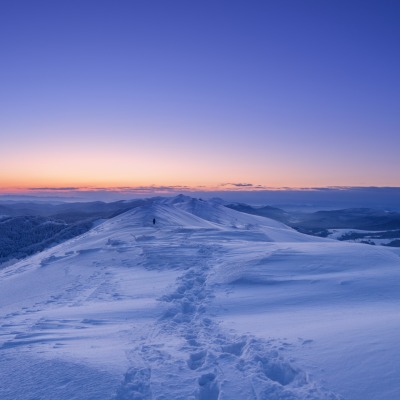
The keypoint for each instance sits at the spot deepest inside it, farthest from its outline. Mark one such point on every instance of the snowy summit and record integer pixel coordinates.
(185, 299)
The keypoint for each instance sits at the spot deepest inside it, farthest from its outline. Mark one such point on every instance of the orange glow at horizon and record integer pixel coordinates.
(88, 161)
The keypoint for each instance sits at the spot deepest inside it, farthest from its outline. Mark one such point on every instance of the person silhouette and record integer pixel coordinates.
(154, 221)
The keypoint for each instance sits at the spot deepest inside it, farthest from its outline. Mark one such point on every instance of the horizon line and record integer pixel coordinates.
(172, 189)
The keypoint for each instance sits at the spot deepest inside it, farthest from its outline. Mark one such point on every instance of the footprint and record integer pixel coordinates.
(209, 388)
(196, 360)
(235, 348)
(277, 370)
(136, 385)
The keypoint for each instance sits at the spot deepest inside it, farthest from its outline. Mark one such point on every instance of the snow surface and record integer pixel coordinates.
(208, 303)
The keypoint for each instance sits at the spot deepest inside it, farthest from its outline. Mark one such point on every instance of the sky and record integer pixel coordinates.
(206, 95)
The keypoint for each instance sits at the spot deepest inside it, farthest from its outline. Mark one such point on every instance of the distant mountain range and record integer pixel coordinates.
(69, 211)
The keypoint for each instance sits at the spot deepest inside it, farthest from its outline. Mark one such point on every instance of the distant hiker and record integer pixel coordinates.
(154, 221)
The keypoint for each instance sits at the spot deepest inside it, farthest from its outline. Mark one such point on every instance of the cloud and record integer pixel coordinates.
(146, 189)
(238, 184)
(54, 188)
(134, 189)
(149, 189)
(87, 193)
(242, 186)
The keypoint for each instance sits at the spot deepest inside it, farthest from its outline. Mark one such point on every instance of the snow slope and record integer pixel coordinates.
(208, 303)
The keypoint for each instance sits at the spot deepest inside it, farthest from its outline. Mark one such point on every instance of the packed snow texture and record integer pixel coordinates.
(207, 303)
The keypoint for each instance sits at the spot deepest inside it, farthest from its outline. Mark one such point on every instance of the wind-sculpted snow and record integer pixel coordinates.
(194, 307)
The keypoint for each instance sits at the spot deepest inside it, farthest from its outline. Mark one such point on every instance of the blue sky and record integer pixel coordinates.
(199, 93)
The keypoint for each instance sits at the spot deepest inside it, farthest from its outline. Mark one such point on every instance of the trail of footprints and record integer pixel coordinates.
(201, 362)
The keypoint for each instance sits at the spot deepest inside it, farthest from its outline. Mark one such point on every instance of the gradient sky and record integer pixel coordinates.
(199, 93)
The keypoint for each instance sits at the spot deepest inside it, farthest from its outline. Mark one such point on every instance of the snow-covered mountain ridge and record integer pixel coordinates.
(205, 303)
